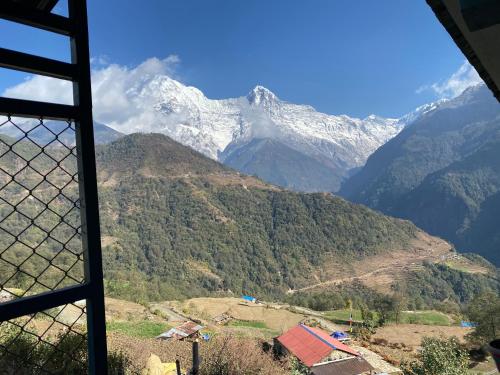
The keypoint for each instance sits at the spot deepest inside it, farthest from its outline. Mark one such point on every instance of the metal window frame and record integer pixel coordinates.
(78, 71)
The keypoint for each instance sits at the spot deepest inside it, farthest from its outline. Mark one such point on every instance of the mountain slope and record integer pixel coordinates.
(440, 172)
(214, 127)
(198, 227)
(281, 165)
(102, 133)
(175, 223)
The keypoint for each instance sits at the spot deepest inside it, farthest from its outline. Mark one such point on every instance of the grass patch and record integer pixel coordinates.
(248, 324)
(457, 266)
(251, 328)
(426, 317)
(142, 329)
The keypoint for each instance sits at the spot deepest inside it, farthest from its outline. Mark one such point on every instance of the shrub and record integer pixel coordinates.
(65, 354)
(439, 357)
(227, 355)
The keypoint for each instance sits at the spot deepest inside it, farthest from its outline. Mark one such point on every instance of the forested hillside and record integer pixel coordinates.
(442, 172)
(177, 223)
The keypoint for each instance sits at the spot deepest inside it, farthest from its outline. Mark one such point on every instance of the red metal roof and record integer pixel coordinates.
(338, 344)
(311, 345)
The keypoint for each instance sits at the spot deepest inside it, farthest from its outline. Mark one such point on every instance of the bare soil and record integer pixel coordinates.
(397, 342)
(412, 334)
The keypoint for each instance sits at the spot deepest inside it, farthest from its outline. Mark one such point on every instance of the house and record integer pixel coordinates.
(312, 346)
(185, 330)
(347, 366)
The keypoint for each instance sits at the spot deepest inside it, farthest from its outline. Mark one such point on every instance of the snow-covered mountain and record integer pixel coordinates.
(421, 111)
(218, 127)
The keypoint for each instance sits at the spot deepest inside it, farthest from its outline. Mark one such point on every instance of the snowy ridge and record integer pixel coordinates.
(210, 126)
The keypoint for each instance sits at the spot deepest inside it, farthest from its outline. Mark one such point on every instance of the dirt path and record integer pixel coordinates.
(381, 271)
(343, 279)
(167, 311)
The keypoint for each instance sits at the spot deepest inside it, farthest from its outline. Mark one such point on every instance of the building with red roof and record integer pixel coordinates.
(312, 346)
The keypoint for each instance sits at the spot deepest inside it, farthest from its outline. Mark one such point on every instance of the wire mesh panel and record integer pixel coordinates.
(40, 245)
(49, 218)
(49, 342)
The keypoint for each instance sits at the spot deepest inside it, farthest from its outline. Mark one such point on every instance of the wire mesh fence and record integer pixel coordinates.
(40, 245)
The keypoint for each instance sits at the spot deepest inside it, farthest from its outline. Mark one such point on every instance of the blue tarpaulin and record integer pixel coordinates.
(468, 324)
(249, 298)
(205, 336)
(339, 335)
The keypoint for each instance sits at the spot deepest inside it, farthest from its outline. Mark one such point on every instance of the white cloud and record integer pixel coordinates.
(41, 88)
(466, 76)
(100, 60)
(115, 90)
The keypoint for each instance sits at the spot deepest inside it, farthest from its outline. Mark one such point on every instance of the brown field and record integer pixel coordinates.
(139, 350)
(275, 318)
(412, 334)
(397, 342)
(117, 309)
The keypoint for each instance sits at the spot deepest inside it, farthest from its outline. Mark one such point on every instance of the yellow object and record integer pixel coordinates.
(154, 366)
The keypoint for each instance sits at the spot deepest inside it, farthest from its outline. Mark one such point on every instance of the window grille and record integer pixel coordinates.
(51, 289)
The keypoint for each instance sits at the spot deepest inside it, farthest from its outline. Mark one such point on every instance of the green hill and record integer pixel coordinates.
(192, 226)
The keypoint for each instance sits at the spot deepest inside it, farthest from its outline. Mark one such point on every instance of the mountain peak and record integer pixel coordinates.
(261, 94)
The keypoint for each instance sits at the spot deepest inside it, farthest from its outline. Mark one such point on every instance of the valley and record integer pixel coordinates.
(184, 237)
(176, 224)
(258, 323)
(250, 188)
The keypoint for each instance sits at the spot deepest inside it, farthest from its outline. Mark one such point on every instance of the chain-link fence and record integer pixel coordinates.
(40, 245)
(51, 281)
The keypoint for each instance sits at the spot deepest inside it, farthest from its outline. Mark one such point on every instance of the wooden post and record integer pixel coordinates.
(178, 366)
(196, 358)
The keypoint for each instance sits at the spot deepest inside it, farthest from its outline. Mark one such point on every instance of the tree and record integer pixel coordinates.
(484, 311)
(369, 324)
(399, 303)
(439, 357)
(385, 307)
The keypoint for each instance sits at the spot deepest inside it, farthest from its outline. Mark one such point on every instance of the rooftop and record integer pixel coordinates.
(311, 345)
(348, 366)
(477, 41)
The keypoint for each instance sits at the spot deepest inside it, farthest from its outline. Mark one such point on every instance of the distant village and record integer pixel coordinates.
(316, 351)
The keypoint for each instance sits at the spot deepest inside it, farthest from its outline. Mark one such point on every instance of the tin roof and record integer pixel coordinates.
(186, 329)
(311, 345)
(349, 366)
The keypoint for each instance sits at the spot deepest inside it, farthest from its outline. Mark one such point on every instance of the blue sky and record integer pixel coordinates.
(341, 56)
